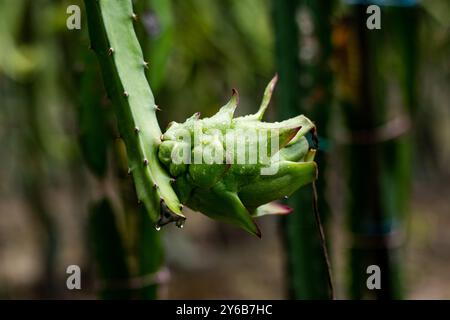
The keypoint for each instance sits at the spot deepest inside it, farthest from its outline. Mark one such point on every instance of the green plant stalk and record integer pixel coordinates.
(108, 250)
(149, 261)
(307, 270)
(105, 242)
(39, 92)
(379, 172)
(92, 118)
(34, 178)
(14, 62)
(128, 271)
(114, 41)
(144, 245)
(156, 48)
(85, 84)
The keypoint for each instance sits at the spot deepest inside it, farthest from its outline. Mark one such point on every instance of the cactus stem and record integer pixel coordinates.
(112, 33)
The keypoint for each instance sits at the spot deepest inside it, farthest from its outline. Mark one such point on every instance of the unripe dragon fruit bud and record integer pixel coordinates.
(231, 169)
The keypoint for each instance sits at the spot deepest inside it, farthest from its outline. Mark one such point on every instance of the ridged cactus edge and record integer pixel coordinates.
(114, 41)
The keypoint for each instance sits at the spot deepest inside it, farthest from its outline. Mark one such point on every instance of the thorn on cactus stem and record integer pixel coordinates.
(145, 162)
(145, 64)
(136, 130)
(155, 186)
(235, 93)
(161, 137)
(110, 51)
(129, 171)
(134, 16)
(172, 180)
(157, 108)
(125, 93)
(181, 207)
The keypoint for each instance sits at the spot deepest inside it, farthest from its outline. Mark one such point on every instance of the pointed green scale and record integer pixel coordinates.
(264, 103)
(295, 152)
(223, 118)
(220, 204)
(271, 208)
(290, 177)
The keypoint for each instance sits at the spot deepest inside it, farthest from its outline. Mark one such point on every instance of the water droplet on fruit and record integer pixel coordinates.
(180, 223)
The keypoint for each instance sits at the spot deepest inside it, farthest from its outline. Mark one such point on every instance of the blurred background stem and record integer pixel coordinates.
(303, 50)
(378, 155)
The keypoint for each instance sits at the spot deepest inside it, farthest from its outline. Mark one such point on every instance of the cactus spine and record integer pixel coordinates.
(120, 56)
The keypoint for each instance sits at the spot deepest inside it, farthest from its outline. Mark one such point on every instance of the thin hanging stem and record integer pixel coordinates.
(322, 241)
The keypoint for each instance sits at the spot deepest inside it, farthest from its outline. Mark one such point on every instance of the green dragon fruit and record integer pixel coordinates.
(231, 169)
